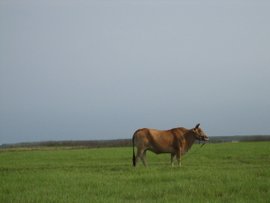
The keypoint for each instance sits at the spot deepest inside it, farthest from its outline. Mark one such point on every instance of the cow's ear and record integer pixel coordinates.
(197, 126)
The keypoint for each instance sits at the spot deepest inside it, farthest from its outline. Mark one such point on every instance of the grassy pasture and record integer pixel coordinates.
(228, 172)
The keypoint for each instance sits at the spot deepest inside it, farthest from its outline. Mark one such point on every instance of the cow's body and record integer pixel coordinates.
(176, 141)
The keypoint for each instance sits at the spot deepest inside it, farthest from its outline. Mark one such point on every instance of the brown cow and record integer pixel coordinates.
(176, 141)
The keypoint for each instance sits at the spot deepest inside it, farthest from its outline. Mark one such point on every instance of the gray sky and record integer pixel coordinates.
(101, 69)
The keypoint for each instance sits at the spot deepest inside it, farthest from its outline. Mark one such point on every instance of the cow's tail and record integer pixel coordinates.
(133, 143)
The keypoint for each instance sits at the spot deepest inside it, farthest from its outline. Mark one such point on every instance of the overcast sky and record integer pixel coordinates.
(101, 69)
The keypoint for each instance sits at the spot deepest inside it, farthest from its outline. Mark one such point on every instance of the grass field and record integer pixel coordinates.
(229, 172)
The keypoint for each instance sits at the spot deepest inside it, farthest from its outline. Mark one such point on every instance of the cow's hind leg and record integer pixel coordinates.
(143, 158)
(137, 155)
(141, 153)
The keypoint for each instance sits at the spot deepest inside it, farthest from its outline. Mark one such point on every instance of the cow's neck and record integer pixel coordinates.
(190, 139)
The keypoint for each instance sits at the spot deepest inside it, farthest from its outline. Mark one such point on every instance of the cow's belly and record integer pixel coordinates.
(159, 150)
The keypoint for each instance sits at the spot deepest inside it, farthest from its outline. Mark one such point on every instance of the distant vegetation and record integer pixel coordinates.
(239, 138)
(125, 142)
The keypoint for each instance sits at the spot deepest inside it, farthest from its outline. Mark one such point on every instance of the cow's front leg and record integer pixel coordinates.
(178, 156)
(172, 158)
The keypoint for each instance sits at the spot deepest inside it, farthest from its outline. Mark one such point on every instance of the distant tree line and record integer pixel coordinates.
(125, 142)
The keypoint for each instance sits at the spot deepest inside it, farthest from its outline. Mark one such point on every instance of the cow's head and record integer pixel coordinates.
(199, 134)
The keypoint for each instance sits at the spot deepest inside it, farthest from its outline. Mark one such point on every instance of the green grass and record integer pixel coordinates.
(230, 172)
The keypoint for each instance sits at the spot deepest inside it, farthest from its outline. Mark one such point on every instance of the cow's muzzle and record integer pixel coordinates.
(204, 138)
